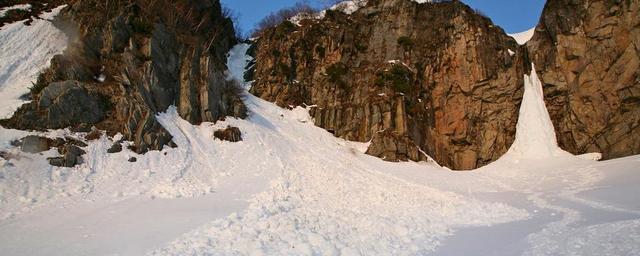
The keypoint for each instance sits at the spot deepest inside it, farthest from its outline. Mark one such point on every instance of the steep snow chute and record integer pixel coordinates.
(535, 135)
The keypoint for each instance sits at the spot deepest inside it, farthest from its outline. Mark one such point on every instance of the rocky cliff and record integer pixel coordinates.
(588, 54)
(130, 59)
(434, 78)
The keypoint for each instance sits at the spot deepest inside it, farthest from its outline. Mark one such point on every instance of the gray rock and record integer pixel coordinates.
(57, 161)
(68, 103)
(115, 148)
(231, 134)
(34, 144)
(71, 156)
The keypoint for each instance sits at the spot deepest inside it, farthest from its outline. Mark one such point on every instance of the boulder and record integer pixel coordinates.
(231, 134)
(115, 148)
(93, 135)
(71, 156)
(35, 144)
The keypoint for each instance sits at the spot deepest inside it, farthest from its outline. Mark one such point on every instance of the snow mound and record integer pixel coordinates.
(524, 37)
(25, 51)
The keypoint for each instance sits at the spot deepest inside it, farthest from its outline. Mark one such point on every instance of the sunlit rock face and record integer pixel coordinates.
(588, 54)
(437, 78)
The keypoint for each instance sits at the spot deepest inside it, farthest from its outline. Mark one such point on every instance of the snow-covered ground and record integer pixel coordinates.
(290, 188)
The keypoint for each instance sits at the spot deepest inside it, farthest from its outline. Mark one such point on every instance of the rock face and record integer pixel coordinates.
(130, 60)
(437, 78)
(588, 55)
(62, 104)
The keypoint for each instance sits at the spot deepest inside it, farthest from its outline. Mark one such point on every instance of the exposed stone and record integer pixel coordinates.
(34, 144)
(231, 134)
(75, 142)
(71, 156)
(133, 159)
(587, 53)
(93, 135)
(435, 76)
(115, 148)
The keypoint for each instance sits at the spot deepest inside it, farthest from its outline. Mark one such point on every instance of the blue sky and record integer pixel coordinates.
(512, 15)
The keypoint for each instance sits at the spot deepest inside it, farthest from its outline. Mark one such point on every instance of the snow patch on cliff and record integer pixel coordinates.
(524, 37)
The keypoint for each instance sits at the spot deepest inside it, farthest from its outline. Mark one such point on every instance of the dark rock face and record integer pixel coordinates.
(130, 61)
(60, 105)
(435, 77)
(588, 55)
(231, 134)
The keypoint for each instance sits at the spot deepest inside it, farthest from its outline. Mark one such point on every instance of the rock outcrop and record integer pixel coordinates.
(588, 55)
(437, 78)
(231, 134)
(128, 61)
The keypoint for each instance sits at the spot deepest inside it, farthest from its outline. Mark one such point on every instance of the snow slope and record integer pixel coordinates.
(292, 188)
(24, 51)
